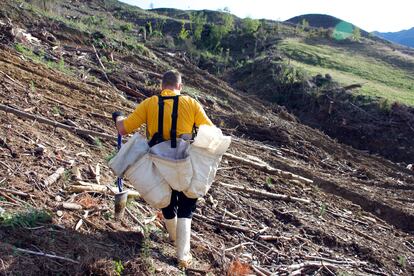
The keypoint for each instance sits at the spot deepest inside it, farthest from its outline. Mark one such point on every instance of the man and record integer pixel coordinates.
(189, 113)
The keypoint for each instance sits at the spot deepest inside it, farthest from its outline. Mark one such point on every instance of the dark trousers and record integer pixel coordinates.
(180, 205)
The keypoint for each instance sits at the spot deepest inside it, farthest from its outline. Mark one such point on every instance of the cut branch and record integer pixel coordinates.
(71, 206)
(134, 218)
(101, 64)
(54, 177)
(44, 255)
(43, 120)
(14, 192)
(96, 188)
(268, 169)
(266, 194)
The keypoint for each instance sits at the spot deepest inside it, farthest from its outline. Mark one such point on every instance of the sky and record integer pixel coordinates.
(369, 15)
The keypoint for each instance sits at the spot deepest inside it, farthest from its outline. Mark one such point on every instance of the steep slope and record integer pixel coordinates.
(359, 217)
(355, 93)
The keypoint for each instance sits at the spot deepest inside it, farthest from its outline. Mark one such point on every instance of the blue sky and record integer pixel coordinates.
(370, 15)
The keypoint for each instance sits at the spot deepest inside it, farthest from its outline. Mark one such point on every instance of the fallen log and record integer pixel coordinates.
(266, 194)
(53, 177)
(268, 169)
(96, 188)
(43, 120)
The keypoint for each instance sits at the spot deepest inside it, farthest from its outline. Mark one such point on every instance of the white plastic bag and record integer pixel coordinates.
(174, 164)
(130, 152)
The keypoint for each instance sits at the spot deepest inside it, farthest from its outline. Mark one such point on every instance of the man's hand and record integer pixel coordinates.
(117, 114)
(118, 118)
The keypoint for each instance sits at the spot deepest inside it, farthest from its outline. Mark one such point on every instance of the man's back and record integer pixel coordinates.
(190, 113)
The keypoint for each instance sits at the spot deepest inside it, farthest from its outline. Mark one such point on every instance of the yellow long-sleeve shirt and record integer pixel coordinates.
(190, 112)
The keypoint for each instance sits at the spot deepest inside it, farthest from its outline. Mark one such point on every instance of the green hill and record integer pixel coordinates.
(381, 71)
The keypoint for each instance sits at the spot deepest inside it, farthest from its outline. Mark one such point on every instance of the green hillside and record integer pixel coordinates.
(349, 65)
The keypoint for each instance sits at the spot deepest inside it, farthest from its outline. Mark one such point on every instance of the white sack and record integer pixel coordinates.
(148, 181)
(205, 166)
(174, 164)
(130, 152)
(212, 139)
(205, 153)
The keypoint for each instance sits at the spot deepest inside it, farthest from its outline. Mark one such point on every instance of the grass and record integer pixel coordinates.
(56, 110)
(269, 182)
(98, 142)
(28, 218)
(193, 92)
(402, 260)
(67, 175)
(146, 254)
(323, 209)
(379, 78)
(118, 267)
(116, 31)
(39, 58)
(111, 155)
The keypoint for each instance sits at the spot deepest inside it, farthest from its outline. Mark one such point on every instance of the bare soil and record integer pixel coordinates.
(360, 219)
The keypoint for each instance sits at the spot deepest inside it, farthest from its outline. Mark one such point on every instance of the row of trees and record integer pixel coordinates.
(353, 33)
(208, 35)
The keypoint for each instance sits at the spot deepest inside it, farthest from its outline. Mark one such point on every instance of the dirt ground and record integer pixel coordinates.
(360, 215)
(356, 218)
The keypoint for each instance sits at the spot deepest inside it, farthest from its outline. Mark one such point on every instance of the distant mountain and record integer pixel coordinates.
(404, 37)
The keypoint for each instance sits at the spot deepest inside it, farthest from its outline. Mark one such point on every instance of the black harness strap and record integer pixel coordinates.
(174, 117)
(157, 138)
(160, 117)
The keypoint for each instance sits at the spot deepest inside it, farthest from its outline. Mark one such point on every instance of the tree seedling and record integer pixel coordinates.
(322, 211)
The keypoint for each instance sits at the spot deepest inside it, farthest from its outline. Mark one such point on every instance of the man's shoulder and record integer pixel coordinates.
(188, 99)
(150, 99)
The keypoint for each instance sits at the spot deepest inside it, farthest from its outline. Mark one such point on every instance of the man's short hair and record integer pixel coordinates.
(171, 78)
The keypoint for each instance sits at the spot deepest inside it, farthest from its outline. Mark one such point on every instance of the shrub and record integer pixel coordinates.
(184, 34)
(29, 218)
(198, 20)
(127, 27)
(249, 25)
(93, 20)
